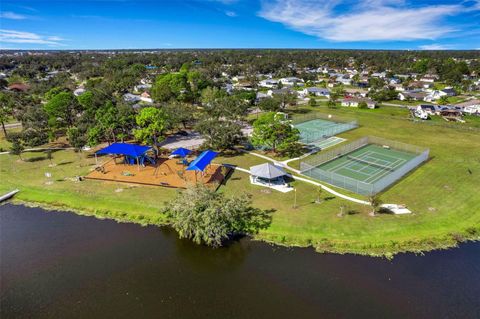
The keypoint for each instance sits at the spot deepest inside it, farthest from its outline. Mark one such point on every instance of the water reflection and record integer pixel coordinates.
(60, 265)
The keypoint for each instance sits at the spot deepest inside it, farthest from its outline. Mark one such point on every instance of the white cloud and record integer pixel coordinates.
(14, 36)
(340, 20)
(435, 47)
(230, 13)
(12, 15)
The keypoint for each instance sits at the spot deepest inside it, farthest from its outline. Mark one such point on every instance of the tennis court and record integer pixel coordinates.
(365, 166)
(368, 164)
(320, 129)
(328, 142)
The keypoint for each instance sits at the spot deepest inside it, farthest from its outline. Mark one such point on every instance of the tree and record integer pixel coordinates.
(61, 109)
(206, 217)
(220, 134)
(332, 104)
(230, 107)
(334, 96)
(363, 105)
(34, 136)
(17, 147)
(76, 139)
(152, 123)
(179, 113)
(285, 98)
(272, 131)
(375, 202)
(443, 100)
(312, 102)
(211, 94)
(161, 92)
(319, 195)
(269, 104)
(6, 109)
(107, 121)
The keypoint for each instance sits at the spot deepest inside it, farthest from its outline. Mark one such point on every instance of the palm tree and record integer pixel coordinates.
(375, 202)
(342, 211)
(319, 194)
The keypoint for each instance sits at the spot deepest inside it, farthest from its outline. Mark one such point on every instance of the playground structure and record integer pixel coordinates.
(173, 171)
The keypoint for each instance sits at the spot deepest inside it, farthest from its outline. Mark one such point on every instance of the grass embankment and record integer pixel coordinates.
(443, 193)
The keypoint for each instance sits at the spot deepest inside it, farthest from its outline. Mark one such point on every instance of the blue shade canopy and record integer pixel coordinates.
(182, 152)
(202, 161)
(133, 150)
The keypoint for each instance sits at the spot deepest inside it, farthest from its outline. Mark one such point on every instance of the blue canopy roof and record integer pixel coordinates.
(182, 152)
(202, 161)
(134, 150)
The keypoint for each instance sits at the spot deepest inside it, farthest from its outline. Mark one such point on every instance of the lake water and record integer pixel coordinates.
(60, 265)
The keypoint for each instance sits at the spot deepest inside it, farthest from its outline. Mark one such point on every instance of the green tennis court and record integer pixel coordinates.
(318, 129)
(368, 164)
(328, 142)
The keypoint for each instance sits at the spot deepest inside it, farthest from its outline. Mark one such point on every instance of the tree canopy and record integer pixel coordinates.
(272, 131)
(208, 217)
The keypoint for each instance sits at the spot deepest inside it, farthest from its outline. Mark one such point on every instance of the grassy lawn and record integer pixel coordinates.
(443, 193)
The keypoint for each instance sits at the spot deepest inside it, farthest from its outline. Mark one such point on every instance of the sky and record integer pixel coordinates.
(169, 24)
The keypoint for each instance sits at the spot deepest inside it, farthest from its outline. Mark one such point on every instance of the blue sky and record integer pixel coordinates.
(125, 24)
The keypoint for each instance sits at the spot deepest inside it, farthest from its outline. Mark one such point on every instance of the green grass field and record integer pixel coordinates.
(442, 193)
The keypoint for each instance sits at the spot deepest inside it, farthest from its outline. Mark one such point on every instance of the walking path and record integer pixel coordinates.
(41, 149)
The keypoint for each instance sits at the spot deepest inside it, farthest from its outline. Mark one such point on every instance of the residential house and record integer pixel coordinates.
(18, 87)
(381, 75)
(238, 78)
(291, 81)
(355, 92)
(355, 102)
(129, 97)
(345, 80)
(261, 96)
(246, 86)
(427, 108)
(315, 91)
(145, 97)
(273, 92)
(419, 85)
(268, 83)
(437, 94)
(448, 91)
(398, 87)
(142, 87)
(412, 95)
(471, 107)
(429, 78)
(79, 91)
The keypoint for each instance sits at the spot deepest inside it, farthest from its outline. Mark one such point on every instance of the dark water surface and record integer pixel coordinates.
(60, 265)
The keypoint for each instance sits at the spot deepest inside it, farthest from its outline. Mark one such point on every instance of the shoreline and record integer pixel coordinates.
(324, 246)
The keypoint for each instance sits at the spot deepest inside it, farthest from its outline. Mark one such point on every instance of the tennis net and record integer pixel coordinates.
(361, 160)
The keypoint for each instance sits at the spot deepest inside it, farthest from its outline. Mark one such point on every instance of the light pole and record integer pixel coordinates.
(294, 198)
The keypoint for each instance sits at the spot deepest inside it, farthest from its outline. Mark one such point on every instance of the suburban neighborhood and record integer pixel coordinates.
(239, 159)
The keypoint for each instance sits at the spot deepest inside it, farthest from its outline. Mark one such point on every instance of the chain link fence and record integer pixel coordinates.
(310, 166)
